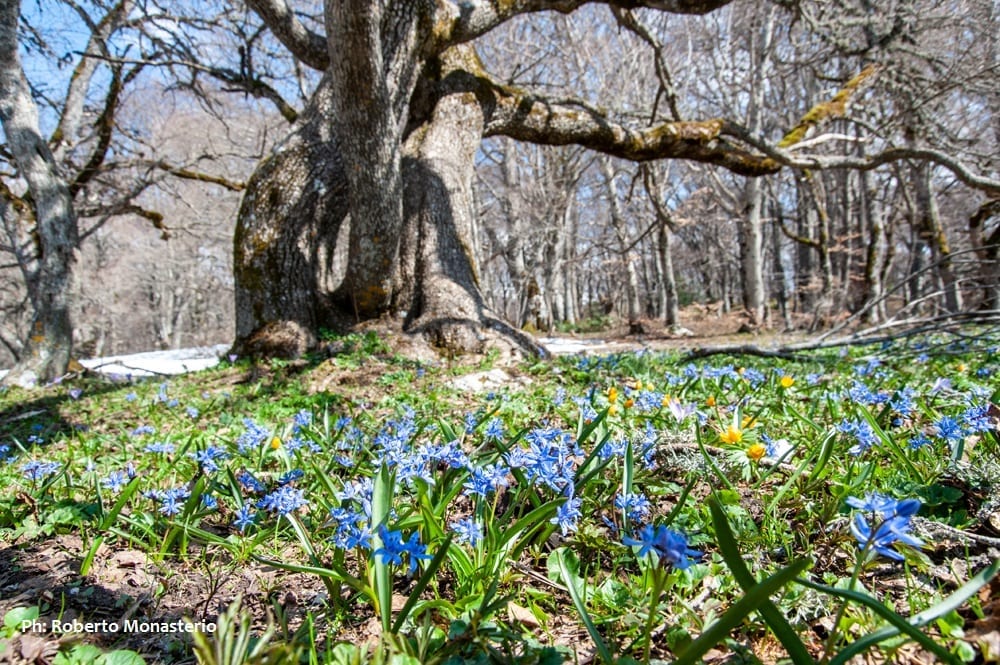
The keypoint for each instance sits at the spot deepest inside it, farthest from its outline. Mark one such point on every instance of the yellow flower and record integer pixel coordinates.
(629, 403)
(666, 400)
(710, 401)
(961, 367)
(649, 386)
(275, 443)
(732, 435)
(756, 451)
(612, 394)
(613, 409)
(787, 381)
(748, 422)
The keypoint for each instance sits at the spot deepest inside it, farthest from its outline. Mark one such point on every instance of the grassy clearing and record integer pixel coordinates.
(621, 508)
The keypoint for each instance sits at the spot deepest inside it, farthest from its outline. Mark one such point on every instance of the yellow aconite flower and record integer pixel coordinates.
(961, 367)
(612, 394)
(756, 451)
(613, 409)
(629, 403)
(732, 435)
(787, 381)
(649, 386)
(666, 400)
(710, 401)
(275, 443)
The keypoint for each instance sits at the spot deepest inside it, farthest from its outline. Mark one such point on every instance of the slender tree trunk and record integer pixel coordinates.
(49, 345)
(753, 254)
(932, 232)
(633, 307)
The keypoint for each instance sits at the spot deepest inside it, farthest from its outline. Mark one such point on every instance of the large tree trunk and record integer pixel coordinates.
(447, 307)
(289, 230)
(286, 234)
(47, 350)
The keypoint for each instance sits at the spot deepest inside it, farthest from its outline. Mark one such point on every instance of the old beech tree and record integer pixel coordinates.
(382, 158)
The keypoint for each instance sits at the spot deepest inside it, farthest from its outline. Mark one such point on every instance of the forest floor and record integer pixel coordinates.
(94, 536)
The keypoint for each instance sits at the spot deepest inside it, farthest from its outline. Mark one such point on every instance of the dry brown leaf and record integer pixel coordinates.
(521, 615)
(989, 646)
(38, 650)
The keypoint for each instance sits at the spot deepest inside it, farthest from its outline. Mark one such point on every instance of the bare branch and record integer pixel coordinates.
(475, 20)
(309, 47)
(83, 73)
(962, 171)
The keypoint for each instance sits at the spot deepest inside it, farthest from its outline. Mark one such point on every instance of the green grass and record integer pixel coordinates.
(446, 527)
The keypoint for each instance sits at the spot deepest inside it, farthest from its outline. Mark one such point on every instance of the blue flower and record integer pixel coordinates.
(352, 531)
(209, 502)
(635, 506)
(394, 547)
(567, 515)
(244, 517)
(142, 430)
(976, 419)
(669, 546)
(861, 431)
(902, 402)
(131, 397)
(948, 429)
(253, 438)
(172, 500)
(207, 458)
(284, 500)
(301, 419)
(894, 527)
(36, 470)
(115, 481)
(890, 531)
(160, 447)
(495, 430)
(248, 482)
(291, 476)
(467, 531)
(192, 412)
(75, 393)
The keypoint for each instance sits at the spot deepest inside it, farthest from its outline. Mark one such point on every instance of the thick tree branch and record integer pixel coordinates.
(309, 47)
(475, 19)
(530, 117)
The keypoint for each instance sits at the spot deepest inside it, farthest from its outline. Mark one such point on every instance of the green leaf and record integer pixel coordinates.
(120, 657)
(754, 599)
(568, 565)
(81, 654)
(946, 606)
(773, 617)
(17, 617)
(382, 578)
(421, 584)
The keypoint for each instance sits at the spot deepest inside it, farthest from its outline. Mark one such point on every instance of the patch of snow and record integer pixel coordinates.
(565, 346)
(155, 363)
(484, 381)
